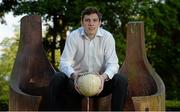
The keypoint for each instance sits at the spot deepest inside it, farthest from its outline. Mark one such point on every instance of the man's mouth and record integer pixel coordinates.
(91, 28)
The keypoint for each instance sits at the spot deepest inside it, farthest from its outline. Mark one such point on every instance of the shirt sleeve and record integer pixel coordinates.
(66, 60)
(111, 59)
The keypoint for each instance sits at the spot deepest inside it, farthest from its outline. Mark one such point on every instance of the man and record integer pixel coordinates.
(89, 49)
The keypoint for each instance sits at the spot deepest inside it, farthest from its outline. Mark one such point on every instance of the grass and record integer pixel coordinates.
(172, 105)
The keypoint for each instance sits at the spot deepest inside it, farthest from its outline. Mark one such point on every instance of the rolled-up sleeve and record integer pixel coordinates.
(111, 58)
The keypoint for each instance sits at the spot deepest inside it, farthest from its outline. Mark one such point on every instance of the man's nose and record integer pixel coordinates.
(91, 23)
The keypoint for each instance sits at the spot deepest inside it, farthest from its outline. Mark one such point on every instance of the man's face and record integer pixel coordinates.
(91, 23)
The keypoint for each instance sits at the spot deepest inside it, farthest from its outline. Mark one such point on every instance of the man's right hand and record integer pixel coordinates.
(75, 77)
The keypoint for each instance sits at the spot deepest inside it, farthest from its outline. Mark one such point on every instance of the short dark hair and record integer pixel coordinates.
(91, 10)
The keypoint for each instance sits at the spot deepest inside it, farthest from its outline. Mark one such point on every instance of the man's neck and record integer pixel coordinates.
(90, 36)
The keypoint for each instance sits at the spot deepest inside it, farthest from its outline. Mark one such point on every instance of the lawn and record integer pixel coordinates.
(172, 105)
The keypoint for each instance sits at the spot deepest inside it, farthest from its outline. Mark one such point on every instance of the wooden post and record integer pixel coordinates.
(146, 90)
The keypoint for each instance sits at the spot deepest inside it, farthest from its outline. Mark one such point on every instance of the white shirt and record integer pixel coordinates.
(84, 55)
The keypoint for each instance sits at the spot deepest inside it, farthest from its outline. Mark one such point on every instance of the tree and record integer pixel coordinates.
(9, 49)
(6, 6)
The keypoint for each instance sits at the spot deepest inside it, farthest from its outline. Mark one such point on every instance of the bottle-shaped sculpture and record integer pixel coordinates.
(143, 81)
(32, 71)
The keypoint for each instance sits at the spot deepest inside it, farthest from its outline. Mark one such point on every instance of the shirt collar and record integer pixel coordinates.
(98, 34)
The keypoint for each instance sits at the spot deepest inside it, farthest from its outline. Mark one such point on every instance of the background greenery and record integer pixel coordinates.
(162, 29)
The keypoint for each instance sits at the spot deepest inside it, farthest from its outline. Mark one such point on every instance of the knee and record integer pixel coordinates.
(121, 79)
(58, 78)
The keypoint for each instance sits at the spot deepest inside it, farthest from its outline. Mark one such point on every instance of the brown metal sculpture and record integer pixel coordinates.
(32, 73)
(146, 90)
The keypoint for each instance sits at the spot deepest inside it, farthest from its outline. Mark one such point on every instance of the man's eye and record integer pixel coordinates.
(95, 20)
(87, 20)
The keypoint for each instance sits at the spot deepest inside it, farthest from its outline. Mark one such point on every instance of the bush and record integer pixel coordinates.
(3, 105)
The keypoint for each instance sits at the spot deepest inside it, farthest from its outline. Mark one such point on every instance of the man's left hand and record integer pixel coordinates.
(103, 78)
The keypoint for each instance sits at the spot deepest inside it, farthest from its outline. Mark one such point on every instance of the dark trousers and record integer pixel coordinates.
(63, 96)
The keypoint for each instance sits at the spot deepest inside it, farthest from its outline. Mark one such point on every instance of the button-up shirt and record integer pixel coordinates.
(82, 54)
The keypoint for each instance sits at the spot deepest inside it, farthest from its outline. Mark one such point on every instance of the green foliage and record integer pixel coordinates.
(120, 48)
(162, 42)
(9, 49)
(6, 6)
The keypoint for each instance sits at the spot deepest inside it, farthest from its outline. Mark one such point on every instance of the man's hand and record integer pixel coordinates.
(75, 77)
(103, 78)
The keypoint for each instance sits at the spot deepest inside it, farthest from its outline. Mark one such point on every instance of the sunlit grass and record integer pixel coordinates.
(172, 105)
